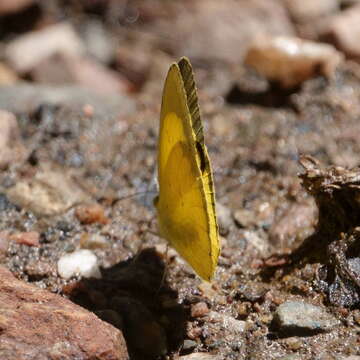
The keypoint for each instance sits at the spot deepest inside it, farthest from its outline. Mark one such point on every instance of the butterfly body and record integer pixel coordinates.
(186, 202)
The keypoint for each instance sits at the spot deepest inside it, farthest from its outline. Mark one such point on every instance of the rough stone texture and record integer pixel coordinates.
(289, 226)
(11, 147)
(36, 324)
(47, 193)
(297, 317)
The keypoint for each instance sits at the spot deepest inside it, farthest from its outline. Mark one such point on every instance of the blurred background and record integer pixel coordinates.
(80, 96)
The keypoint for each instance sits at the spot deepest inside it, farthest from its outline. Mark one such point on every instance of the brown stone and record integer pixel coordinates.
(37, 324)
(89, 214)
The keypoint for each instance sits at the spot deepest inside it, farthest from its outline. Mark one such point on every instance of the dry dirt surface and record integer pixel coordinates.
(80, 95)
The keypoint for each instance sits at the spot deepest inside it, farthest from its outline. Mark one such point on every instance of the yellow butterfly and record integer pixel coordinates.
(186, 201)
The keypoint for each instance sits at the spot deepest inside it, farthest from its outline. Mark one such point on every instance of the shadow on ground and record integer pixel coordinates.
(135, 297)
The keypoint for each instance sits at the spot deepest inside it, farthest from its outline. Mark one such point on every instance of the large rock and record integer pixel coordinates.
(29, 50)
(36, 324)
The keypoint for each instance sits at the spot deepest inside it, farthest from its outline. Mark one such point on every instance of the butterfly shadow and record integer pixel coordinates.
(135, 297)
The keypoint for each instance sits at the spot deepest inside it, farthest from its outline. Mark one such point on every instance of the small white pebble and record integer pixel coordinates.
(80, 262)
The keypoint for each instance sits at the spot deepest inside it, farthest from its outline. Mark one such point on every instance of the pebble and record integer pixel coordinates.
(199, 309)
(244, 218)
(93, 241)
(256, 241)
(252, 291)
(293, 343)
(300, 318)
(90, 214)
(30, 238)
(80, 262)
(298, 220)
(290, 60)
(228, 322)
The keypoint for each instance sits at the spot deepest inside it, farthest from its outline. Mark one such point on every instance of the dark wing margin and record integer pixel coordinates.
(192, 99)
(203, 157)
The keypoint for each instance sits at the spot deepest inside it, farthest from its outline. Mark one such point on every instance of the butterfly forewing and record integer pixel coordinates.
(186, 207)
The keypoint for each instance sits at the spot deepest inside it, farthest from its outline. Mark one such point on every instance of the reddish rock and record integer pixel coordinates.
(344, 31)
(36, 324)
(13, 6)
(89, 214)
(30, 238)
(11, 147)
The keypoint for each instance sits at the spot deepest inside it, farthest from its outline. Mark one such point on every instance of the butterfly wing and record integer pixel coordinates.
(186, 203)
